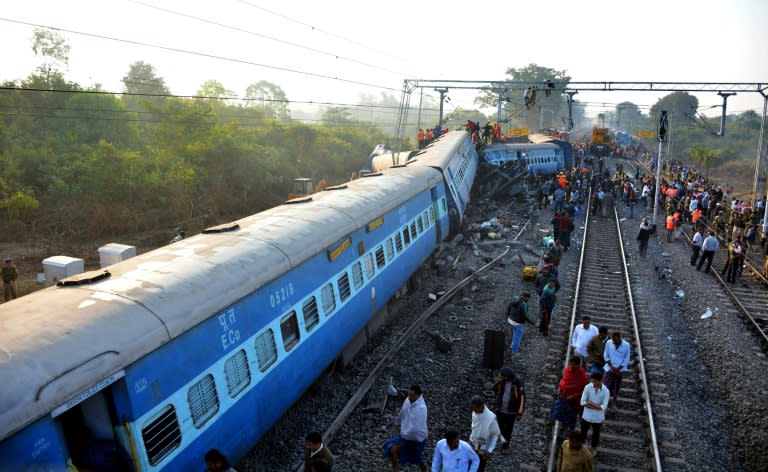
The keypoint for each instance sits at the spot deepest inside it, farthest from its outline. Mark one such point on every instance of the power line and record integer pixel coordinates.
(203, 97)
(278, 40)
(320, 30)
(194, 53)
(351, 124)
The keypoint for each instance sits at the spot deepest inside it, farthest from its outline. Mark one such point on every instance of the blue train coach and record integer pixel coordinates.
(452, 154)
(206, 342)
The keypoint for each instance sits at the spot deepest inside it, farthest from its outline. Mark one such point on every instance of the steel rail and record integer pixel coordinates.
(554, 443)
(640, 356)
(732, 295)
(360, 393)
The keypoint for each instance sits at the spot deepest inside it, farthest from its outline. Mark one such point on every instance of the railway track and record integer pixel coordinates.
(748, 295)
(640, 434)
(376, 374)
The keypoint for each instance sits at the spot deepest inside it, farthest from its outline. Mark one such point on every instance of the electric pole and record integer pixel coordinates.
(662, 135)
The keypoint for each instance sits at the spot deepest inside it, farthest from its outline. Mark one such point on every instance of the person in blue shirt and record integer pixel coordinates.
(594, 399)
(616, 363)
(454, 455)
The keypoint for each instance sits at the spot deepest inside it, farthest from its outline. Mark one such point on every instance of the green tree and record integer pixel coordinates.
(680, 106)
(706, 157)
(88, 118)
(270, 97)
(17, 203)
(144, 86)
(214, 89)
(51, 47)
(513, 103)
(337, 116)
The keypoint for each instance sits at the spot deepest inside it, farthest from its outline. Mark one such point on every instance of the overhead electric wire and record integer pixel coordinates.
(203, 97)
(352, 124)
(194, 53)
(263, 36)
(320, 30)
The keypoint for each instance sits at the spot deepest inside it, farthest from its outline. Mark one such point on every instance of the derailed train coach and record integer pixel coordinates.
(545, 156)
(149, 363)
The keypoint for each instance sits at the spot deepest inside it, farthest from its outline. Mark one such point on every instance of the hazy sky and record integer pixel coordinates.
(293, 42)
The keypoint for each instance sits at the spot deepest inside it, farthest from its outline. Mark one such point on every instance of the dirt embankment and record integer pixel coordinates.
(28, 255)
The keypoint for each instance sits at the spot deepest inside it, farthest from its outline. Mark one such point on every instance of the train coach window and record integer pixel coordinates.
(237, 373)
(406, 236)
(420, 223)
(344, 290)
(427, 223)
(289, 329)
(329, 300)
(369, 270)
(311, 315)
(445, 205)
(398, 242)
(357, 275)
(380, 262)
(414, 234)
(431, 216)
(203, 400)
(266, 350)
(390, 250)
(161, 435)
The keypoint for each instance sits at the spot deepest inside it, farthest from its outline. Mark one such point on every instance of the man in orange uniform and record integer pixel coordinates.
(420, 137)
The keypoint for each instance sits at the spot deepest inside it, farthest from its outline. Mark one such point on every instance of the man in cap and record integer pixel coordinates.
(10, 274)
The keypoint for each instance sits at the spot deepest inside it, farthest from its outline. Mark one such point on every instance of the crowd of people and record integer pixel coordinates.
(717, 219)
(591, 382)
(490, 431)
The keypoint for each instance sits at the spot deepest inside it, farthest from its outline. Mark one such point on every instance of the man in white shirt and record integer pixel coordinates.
(708, 248)
(698, 238)
(408, 446)
(582, 334)
(594, 399)
(646, 194)
(485, 431)
(454, 455)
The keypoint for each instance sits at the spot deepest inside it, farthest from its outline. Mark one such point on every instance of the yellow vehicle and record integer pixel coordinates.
(600, 143)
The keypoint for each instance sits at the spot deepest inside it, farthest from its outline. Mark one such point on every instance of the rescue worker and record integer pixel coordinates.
(670, 226)
(421, 137)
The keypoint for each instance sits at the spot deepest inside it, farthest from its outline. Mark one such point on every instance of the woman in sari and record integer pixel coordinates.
(567, 407)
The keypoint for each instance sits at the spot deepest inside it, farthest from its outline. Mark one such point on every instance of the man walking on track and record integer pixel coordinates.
(595, 402)
(708, 248)
(616, 363)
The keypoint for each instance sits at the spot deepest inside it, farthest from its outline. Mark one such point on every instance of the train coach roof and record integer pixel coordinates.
(439, 152)
(57, 342)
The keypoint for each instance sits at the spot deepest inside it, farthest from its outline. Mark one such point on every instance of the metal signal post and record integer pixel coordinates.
(662, 134)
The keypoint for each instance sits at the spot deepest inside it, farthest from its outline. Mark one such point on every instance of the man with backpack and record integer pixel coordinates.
(517, 315)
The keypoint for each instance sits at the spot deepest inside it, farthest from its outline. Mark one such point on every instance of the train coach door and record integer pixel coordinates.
(91, 427)
(436, 214)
